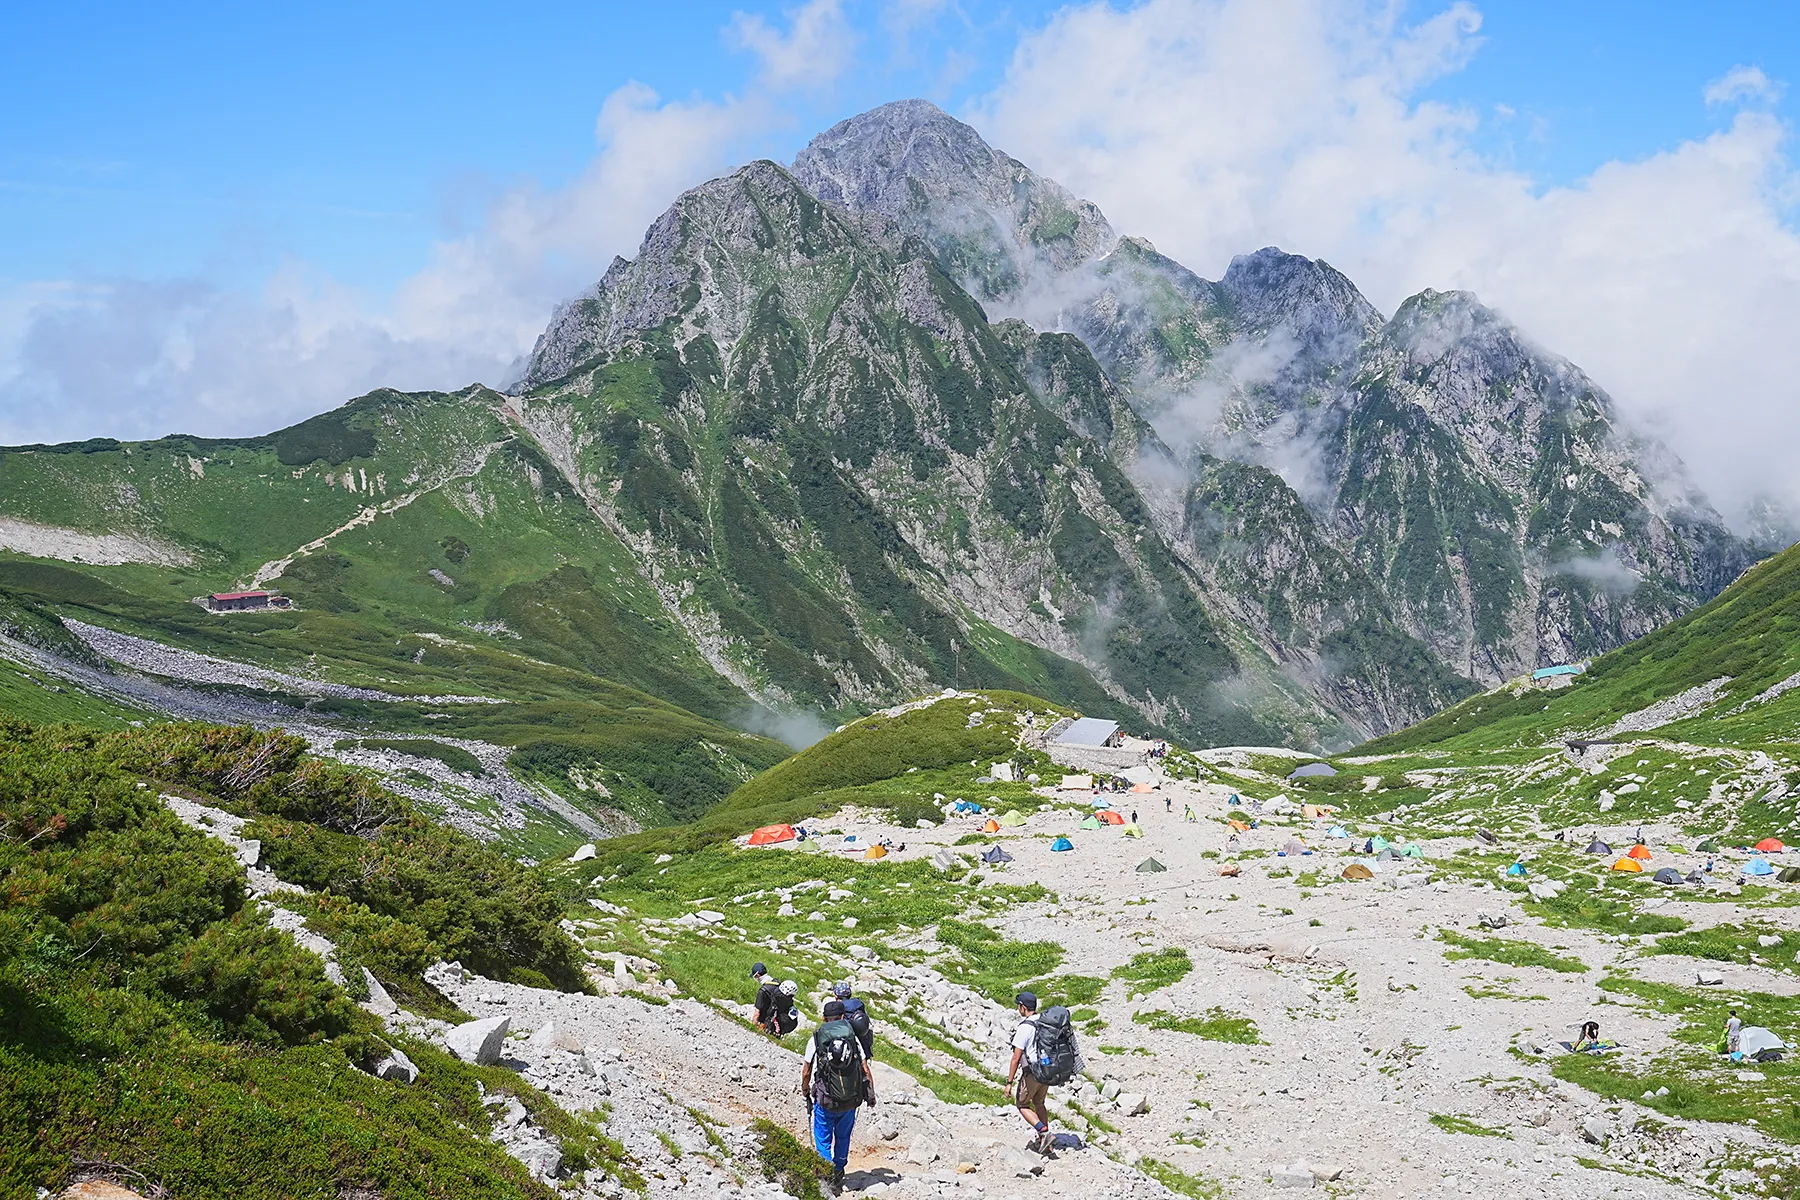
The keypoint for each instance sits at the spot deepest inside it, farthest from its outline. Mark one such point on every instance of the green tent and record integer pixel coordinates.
(1151, 867)
(1708, 847)
(1013, 818)
(1090, 822)
(1378, 843)
(1412, 850)
(1788, 875)
(1133, 831)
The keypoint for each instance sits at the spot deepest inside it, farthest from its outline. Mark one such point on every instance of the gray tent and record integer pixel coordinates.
(995, 855)
(1150, 867)
(1758, 1043)
(1312, 769)
(1598, 847)
(1668, 875)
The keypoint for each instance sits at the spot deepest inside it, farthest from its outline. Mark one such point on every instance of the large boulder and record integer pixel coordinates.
(395, 1066)
(479, 1042)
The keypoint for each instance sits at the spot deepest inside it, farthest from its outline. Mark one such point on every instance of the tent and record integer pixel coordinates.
(1517, 870)
(1077, 783)
(1013, 818)
(876, 852)
(1062, 843)
(1138, 774)
(1090, 822)
(1640, 852)
(1669, 875)
(811, 846)
(1240, 826)
(1708, 846)
(1294, 846)
(1388, 855)
(1150, 867)
(1133, 830)
(994, 855)
(1312, 770)
(1413, 850)
(1110, 817)
(990, 826)
(1770, 846)
(1627, 864)
(1229, 871)
(1598, 847)
(1757, 866)
(1788, 875)
(768, 835)
(1312, 811)
(1337, 831)
(1358, 871)
(1142, 788)
(1758, 1043)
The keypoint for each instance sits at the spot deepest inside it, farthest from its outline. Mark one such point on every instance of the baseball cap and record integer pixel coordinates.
(833, 1009)
(758, 971)
(1027, 999)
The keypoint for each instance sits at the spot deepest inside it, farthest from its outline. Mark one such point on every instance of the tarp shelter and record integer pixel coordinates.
(1294, 846)
(994, 855)
(1240, 826)
(990, 826)
(1708, 846)
(1413, 850)
(1640, 852)
(876, 852)
(1150, 867)
(1598, 847)
(1337, 831)
(1110, 817)
(1090, 822)
(1669, 875)
(1012, 818)
(1358, 871)
(1141, 788)
(1062, 843)
(1312, 770)
(1758, 1043)
(1133, 831)
(1788, 875)
(1091, 732)
(768, 835)
(1076, 783)
(1757, 866)
(1138, 774)
(1627, 864)
(1771, 846)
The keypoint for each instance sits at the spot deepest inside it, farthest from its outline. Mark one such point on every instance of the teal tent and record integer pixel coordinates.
(1062, 843)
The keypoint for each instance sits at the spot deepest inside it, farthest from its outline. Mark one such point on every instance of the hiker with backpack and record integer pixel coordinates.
(1044, 1054)
(787, 1016)
(858, 1016)
(768, 1000)
(835, 1080)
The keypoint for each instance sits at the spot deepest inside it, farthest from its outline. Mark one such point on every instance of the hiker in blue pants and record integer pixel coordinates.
(835, 1080)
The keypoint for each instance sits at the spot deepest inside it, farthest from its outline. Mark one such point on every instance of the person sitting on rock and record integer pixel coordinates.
(835, 1079)
(768, 1000)
(858, 1016)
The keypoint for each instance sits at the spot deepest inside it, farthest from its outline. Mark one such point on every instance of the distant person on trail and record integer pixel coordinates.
(787, 1015)
(1188, 814)
(1044, 1053)
(858, 1016)
(1734, 1028)
(835, 1079)
(768, 1000)
(1168, 804)
(1134, 816)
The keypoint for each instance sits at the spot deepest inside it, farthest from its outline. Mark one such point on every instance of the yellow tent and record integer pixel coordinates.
(1628, 864)
(876, 852)
(1358, 871)
(1133, 830)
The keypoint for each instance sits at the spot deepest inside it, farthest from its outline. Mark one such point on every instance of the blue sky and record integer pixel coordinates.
(175, 139)
(227, 217)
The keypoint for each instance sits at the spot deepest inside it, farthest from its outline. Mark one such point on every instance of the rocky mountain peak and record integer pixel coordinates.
(1273, 289)
(992, 222)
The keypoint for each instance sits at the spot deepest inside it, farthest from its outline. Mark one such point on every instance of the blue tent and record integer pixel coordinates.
(1337, 831)
(1062, 843)
(1516, 870)
(1757, 866)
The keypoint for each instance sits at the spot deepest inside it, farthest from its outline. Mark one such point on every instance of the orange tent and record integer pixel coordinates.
(992, 826)
(1229, 870)
(1110, 817)
(768, 835)
(876, 852)
(1771, 846)
(1640, 852)
(1142, 788)
(1627, 864)
(1240, 827)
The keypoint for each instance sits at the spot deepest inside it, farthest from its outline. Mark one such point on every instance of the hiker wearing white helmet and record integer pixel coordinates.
(787, 1015)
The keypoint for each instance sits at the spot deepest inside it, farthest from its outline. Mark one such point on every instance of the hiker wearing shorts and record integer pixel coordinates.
(1032, 1096)
(835, 1080)
(1734, 1030)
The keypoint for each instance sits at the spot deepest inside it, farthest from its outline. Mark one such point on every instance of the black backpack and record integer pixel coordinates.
(837, 1066)
(1054, 1058)
(858, 1018)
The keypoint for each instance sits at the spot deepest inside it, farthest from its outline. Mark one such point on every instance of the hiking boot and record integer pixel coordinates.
(837, 1181)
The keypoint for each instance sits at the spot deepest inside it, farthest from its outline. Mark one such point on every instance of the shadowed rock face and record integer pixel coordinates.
(1296, 507)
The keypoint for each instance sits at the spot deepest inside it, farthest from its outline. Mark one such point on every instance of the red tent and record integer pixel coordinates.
(1771, 846)
(1640, 852)
(768, 835)
(1111, 817)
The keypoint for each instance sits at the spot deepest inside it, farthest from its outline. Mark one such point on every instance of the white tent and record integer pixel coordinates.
(1139, 774)
(1077, 783)
(1758, 1043)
